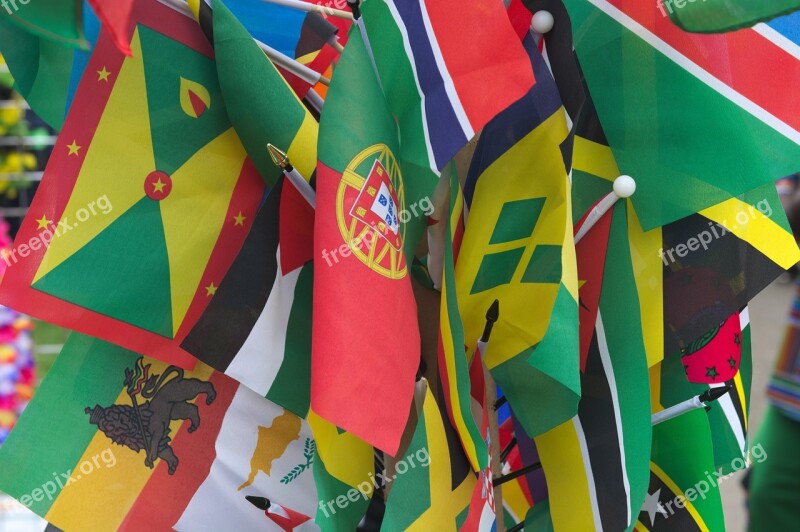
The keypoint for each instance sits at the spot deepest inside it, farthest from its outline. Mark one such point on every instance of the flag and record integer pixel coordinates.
(116, 18)
(434, 494)
(182, 454)
(365, 342)
(518, 248)
(716, 16)
(454, 369)
(59, 21)
(436, 62)
(597, 463)
(699, 128)
(134, 224)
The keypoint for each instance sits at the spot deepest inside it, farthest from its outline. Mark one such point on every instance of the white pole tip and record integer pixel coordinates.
(542, 21)
(624, 186)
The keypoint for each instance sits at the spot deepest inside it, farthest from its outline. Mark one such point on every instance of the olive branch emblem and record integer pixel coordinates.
(308, 453)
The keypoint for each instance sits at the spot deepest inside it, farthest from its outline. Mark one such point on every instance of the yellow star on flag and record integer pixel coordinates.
(211, 289)
(159, 185)
(74, 149)
(43, 222)
(239, 219)
(102, 75)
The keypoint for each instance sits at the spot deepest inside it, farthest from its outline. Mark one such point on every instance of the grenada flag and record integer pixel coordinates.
(138, 215)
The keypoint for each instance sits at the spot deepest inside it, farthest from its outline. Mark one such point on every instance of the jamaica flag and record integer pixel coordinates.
(146, 199)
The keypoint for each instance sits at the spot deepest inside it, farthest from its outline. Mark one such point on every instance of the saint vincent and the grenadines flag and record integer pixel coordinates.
(215, 442)
(518, 248)
(147, 197)
(716, 16)
(700, 127)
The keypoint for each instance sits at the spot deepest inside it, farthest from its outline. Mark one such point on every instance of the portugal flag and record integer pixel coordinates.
(146, 200)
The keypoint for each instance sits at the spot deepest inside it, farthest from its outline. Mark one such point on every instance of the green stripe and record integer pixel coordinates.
(261, 107)
(54, 431)
(636, 89)
(292, 385)
(619, 308)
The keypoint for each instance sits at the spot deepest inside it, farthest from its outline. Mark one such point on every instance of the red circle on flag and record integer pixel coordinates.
(157, 185)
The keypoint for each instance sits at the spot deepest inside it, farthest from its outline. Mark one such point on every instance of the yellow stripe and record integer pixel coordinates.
(107, 493)
(514, 501)
(303, 150)
(567, 483)
(595, 159)
(569, 262)
(194, 6)
(740, 390)
(655, 388)
(759, 231)
(648, 274)
(346, 457)
(306, 59)
(678, 492)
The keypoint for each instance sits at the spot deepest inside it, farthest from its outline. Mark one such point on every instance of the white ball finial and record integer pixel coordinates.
(542, 22)
(624, 186)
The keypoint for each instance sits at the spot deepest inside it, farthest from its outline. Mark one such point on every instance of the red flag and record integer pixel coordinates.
(116, 17)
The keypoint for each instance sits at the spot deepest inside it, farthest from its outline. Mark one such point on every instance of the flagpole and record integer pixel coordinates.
(492, 315)
(695, 403)
(624, 187)
(311, 8)
(281, 160)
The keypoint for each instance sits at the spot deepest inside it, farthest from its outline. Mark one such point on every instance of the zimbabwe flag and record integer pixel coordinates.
(146, 199)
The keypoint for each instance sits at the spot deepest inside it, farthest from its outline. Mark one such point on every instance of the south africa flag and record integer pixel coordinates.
(146, 200)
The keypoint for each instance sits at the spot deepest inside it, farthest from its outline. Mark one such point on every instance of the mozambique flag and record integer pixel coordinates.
(728, 361)
(344, 466)
(434, 489)
(597, 463)
(715, 16)
(683, 493)
(135, 222)
(436, 62)
(687, 117)
(518, 248)
(116, 441)
(365, 342)
(454, 369)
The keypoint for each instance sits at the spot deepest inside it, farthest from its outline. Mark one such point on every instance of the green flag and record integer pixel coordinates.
(56, 20)
(713, 16)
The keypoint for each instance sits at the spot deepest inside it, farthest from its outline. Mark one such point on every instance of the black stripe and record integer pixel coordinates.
(737, 404)
(596, 414)
(459, 464)
(233, 311)
(205, 18)
(314, 34)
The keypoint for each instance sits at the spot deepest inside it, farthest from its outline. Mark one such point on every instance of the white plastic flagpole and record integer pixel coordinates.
(311, 8)
(624, 187)
(696, 402)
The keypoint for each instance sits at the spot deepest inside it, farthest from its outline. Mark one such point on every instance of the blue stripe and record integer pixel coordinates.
(788, 26)
(516, 122)
(444, 129)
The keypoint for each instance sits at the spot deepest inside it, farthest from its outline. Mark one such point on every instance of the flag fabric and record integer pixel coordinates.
(135, 222)
(115, 16)
(365, 341)
(57, 20)
(454, 369)
(435, 494)
(597, 463)
(436, 61)
(191, 444)
(694, 97)
(716, 16)
(518, 248)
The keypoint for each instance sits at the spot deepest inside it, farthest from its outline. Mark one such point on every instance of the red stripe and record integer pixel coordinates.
(744, 60)
(165, 497)
(484, 57)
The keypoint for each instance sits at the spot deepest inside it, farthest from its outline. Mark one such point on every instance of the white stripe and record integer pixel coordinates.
(258, 361)
(587, 465)
(608, 368)
(407, 47)
(730, 414)
(744, 318)
(778, 39)
(687, 64)
(449, 86)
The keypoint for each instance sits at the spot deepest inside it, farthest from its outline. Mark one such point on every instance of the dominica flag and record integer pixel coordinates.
(699, 128)
(136, 220)
(713, 16)
(597, 463)
(133, 443)
(726, 360)
(518, 248)
(436, 61)
(365, 335)
(435, 496)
